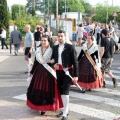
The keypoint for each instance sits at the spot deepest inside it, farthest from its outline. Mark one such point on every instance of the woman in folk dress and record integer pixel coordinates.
(42, 93)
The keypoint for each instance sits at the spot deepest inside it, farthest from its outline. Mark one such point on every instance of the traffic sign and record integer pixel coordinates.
(115, 14)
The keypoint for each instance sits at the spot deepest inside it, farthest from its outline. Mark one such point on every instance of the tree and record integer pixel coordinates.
(101, 12)
(18, 10)
(36, 5)
(71, 6)
(4, 17)
(88, 7)
(42, 5)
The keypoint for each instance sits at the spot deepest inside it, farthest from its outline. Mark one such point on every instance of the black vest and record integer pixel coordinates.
(68, 56)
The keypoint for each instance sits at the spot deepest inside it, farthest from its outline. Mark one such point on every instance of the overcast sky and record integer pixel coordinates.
(93, 2)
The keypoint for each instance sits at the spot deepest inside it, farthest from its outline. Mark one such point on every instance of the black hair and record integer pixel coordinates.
(80, 25)
(49, 40)
(89, 34)
(62, 31)
(105, 32)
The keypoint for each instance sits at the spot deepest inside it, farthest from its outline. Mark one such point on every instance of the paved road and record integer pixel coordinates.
(99, 104)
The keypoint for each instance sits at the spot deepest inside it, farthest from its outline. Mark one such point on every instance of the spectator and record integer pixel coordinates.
(3, 38)
(37, 36)
(80, 33)
(106, 54)
(28, 46)
(48, 32)
(16, 39)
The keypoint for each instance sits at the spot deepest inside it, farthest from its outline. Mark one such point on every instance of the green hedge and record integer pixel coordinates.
(27, 19)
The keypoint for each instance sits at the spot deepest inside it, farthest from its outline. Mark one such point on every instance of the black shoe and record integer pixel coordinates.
(64, 118)
(26, 72)
(83, 90)
(42, 113)
(61, 114)
(15, 53)
(114, 82)
(89, 89)
(104, 84)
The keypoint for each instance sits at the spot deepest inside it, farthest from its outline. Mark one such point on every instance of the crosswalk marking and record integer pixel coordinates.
(111, 83)
(117, 77)
(93, 98)
(21, 97)
(94, 112)
(100, 114)
(96, 98)
(115, 71)
(3, 58)
(118, 68)
(105, 90)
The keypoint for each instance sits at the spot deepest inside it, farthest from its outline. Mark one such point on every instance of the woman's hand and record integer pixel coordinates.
(52, 61)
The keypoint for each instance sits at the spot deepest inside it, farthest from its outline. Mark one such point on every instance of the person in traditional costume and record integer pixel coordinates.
(42, 93)
(65, 56)
(89, 66)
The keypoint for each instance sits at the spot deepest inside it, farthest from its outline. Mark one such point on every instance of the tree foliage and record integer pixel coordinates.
(20, 22)
(18, 10)
(88, 7)
(4, 17)
(42, 5)
(38, 5)
(101, 12)
(71, 6)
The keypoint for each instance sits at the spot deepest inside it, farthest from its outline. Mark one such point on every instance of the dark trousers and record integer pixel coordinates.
(3, 43)
(64, 82)
(98, 38)
(16, 47)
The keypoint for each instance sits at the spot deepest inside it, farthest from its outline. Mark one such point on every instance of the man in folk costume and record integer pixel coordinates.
(65, 56)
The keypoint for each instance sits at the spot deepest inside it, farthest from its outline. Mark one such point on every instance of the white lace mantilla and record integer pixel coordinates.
(91, 50)
(46, 57)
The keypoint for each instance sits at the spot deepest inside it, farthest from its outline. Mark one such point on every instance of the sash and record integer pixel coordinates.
(99, 73)
(47, 67)
(68, 74)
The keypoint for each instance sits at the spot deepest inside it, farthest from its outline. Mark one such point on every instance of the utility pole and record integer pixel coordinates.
(57, 15)
(48, 7)
(107, 14)
(19, 6)
(65, 9)
(112, 3)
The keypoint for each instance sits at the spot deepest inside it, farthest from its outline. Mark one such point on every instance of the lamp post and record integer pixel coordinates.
(57, 15)
(65, 8)
(107, 13)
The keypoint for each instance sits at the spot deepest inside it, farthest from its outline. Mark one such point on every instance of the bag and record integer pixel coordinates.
(85, 35)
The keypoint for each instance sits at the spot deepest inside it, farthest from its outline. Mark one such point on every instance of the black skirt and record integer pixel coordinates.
(41, 90)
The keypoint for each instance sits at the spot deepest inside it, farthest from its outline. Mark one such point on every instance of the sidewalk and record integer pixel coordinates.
(5, 53)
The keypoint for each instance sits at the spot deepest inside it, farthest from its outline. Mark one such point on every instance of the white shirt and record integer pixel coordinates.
(3, 34)
(98, 30)
(60, 50)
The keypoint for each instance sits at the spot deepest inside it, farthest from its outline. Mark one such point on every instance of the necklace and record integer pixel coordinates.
(43, 52)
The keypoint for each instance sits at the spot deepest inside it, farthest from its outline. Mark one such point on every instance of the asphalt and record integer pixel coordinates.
(94, 105)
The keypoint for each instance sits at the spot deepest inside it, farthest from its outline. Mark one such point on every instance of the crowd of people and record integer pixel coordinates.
(56, 66)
